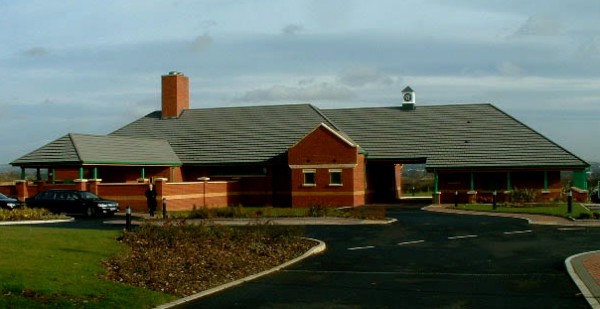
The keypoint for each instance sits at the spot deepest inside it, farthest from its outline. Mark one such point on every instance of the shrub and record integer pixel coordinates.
(26, 213)
(317, 211)
(523, 195)
(202, 213)
(367, 212)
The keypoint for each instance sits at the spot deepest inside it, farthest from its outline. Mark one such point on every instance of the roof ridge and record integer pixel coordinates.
(330, 122)
(75, 148)
(245, 106)
(420, 106)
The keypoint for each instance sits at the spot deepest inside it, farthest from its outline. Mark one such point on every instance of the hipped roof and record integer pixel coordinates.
(83, 149)
(452, 137)
(443, 136)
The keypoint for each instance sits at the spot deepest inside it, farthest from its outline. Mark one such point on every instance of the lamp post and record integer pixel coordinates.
(570, 201)
(128, 219)
(205, 180)
(455, 199)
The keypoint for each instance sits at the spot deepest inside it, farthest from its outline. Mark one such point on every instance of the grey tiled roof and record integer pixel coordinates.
(443, 136)
(231, 135)
(451, 136)
(97, 149)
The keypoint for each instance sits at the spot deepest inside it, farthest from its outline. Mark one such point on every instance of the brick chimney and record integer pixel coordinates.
(175, 94)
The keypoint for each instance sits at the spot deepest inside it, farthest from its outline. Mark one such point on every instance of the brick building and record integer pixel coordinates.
(300, 155)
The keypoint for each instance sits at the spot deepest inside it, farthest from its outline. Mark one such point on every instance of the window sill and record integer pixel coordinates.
(309, 185)
(336, 185)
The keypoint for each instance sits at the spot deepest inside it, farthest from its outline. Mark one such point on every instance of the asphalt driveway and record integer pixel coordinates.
(425, 260)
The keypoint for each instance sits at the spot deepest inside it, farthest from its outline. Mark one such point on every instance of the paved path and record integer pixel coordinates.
(138, 218)
(584, 268)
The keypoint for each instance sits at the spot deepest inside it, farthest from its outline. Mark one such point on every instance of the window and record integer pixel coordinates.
(335, 177)
(310, 179)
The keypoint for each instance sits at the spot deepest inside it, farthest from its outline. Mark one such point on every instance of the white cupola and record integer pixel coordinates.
(408, 99)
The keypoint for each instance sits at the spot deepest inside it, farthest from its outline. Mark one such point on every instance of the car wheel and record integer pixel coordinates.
(90, 212)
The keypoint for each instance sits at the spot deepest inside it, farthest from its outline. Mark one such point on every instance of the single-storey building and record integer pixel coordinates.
(300, 155)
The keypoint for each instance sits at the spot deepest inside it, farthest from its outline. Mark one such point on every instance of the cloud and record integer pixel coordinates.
(540, 26)
(292, 29)
(360, 77)
(304, 91)
(509, 69)
(201, 43)
(37, 51)
(590, 48)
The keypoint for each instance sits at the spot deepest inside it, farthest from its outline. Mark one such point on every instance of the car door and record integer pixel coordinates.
(47, 200)
(72, 202)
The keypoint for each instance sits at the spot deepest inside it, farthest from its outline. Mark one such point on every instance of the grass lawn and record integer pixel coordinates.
(559, 209)
(45, 267)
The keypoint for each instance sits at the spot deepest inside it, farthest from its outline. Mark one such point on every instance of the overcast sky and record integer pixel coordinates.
(94, 66)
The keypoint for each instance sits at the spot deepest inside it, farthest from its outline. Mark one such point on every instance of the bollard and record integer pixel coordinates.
(455, 199)
(128, 219)
(570, 201)
(494, 201)
(164, 208)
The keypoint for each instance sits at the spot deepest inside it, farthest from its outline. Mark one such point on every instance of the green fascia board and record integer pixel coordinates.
(133, 163)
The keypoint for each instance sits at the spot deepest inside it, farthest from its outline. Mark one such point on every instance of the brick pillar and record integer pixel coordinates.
(94, 185)
(159, 186)
(81, 184)
(22, 192)
(472, 196)
(437, 198)
(580, 195)
(398, 178)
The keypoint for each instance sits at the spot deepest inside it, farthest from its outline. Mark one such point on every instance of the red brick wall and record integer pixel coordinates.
(66, 174)
(321, 146)
(322, 151)
(254, 190)
(9, 190)
(180, 196)
(186, 196)
(175, 95)
(360, 181)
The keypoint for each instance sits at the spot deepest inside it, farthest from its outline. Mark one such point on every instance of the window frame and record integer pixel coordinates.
(339, 172)
(306, 172)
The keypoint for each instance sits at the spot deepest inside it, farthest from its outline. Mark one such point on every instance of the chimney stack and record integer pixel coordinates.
(175, 94)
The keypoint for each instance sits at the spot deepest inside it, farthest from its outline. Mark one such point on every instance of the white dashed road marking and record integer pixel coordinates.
(518, 232)
(462, 237)
(571, 228)
(404, 243)
(361, 248)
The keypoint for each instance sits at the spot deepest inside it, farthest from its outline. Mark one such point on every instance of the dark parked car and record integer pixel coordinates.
(73, 202)
(9, 203)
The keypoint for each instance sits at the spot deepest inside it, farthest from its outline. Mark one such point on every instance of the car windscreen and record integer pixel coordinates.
(89, 196)
(2, 196)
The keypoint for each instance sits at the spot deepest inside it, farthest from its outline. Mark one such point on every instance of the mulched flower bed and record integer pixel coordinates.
(184, 259)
